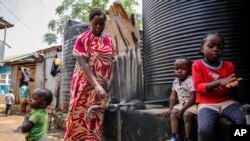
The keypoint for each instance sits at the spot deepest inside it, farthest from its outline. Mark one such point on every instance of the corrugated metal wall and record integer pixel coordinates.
(72, 30)
(39, 75)
(175, 28)
(1, 52)
(50, 81)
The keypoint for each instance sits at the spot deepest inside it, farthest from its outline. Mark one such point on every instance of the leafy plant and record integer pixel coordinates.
(79, 11)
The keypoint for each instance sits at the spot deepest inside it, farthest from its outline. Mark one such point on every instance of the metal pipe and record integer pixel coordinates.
(119, 127)
(104, 106)
(117, 106)
(107, 106)
(246, 110)
(155, 101)
(90, 111)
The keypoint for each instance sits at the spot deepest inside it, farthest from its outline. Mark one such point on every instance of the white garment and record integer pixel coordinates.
(183, 89)
(9, 98)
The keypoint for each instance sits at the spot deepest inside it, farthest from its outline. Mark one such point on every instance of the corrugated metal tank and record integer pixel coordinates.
(72, 30)
(175, 28)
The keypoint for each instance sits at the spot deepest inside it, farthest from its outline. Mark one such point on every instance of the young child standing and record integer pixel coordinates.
(9, 98)
(213, 79)
(36, 123)
(183, 90)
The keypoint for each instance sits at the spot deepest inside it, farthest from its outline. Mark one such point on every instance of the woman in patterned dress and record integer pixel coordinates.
(94, 70)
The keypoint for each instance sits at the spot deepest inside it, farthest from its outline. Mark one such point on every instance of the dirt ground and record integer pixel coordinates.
(9, 126)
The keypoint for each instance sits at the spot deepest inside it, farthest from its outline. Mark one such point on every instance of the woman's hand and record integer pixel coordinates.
(100, 91)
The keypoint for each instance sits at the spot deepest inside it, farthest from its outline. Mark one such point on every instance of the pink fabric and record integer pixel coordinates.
(100, 53)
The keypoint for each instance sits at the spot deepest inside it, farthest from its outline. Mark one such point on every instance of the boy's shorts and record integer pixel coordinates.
(191, 109)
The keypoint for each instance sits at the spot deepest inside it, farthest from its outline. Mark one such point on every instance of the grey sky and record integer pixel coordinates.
(33, 15)
(30, 21)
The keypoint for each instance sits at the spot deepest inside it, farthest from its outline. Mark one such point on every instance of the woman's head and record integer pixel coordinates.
(97, 20)
(182, 68)
(211, 46)
(41, 98)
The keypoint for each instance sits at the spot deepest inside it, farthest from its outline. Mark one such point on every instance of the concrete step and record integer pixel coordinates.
(149, 125)
(144, 125)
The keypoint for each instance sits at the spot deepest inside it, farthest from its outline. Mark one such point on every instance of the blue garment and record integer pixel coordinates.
(24, 93)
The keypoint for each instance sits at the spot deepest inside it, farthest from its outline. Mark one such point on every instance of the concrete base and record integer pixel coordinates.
(60, 120)
(144, 125)
(149, 125)
(138, 125)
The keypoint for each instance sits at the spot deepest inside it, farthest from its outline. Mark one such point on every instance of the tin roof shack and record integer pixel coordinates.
(27, 60)
(4, 79)
(40, 63)
(3, 25)
(44, 77)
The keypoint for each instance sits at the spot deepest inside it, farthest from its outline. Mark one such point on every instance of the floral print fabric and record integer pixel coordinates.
(100, 54)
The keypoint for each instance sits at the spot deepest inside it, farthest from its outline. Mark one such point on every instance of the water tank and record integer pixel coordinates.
(71, 32)
(175, 28)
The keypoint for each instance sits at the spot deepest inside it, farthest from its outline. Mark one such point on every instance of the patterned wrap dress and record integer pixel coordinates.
(100, 54)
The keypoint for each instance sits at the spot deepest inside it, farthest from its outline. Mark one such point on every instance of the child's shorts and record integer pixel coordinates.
(192, 109)
(219, 107)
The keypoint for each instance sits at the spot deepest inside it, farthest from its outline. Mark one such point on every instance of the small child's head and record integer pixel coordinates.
(211, 46)
(182, 68)
(11, 91)
(41, 98)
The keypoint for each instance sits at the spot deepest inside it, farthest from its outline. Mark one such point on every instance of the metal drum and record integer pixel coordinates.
(176, 28)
